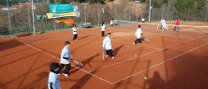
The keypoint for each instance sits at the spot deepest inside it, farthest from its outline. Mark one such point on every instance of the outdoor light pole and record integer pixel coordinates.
(33, 18)
(150, 7)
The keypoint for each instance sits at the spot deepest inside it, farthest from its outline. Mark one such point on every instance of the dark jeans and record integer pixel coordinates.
(137, 41)
(109, 52)
(176, 27)
(51, 85)
(103, 33)
(75, 36)
(67, 69)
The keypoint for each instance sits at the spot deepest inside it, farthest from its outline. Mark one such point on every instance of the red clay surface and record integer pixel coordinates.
(171, 60)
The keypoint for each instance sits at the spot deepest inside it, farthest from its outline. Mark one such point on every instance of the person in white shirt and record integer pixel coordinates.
(53, 78)
(103, 28)
(111, 22)
(138, 35)
(107, 45)
(163, 24)
(143, 20)
(74, 31)
(65, 57)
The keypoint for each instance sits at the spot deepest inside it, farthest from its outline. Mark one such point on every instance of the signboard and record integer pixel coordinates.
(58, 15)
(66, 21)
(61, 8)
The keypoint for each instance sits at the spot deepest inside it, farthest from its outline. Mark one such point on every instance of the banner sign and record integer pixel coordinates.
(61, 8)
(66, 21)
(58, 15)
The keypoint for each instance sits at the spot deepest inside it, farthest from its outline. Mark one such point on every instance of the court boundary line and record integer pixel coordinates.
(158, 64)
(133, 58)
(59, 59)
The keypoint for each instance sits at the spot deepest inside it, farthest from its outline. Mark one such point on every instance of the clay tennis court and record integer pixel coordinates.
(171, 60)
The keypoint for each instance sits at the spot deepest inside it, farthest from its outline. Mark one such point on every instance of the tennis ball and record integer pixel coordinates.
(145, 78)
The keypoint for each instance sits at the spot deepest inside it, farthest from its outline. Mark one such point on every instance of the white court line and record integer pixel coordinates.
(59, 59)
(152, 47)
(150, 52)
(160, 63)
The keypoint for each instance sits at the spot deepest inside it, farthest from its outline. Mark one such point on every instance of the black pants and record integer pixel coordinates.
(103, 33)
(176, 27)
(138, 41)
(109, 52)
(75, 36)
(66, 71)
(51, 85)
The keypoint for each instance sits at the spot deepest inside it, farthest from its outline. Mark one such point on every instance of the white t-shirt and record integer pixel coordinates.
(103, 27)
(143, 19)
(138, 33)
(74, 30)
(53, 78)
(163, 23)
(107, 43)
(65, 53)
(111, 22)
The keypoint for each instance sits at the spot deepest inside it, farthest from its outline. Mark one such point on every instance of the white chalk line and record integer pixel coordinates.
(150, 53)
(59, 59)
(160, 63)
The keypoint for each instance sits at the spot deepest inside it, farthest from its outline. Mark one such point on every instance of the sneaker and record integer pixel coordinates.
(106, 55)
(133, 42)
(66, 75)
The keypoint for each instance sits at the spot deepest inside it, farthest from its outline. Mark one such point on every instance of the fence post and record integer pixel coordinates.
(33, 16)
(115, 10)
(29, 18)
(206, 14)
(173, 12)
(98, 14)
(188, 11)
(9, 17)
(129, 14)
(163, 11)
(84, 14)
(150, 8)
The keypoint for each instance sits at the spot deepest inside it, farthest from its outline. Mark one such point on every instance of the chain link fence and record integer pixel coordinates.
(19, 19)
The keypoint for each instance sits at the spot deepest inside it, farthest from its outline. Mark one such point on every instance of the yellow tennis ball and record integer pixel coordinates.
(145, 78)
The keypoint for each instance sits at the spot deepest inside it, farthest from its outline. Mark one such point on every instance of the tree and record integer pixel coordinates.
(96, 1)
(156, 3)
(201, 4)
(60, 1)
